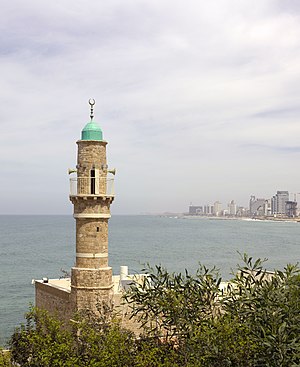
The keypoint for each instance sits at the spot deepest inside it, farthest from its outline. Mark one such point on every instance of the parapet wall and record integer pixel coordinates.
(54, 295)
(54, 299)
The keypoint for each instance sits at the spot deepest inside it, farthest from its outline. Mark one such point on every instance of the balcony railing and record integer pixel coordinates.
(103, 186)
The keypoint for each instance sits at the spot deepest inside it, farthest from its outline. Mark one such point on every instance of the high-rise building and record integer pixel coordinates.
(241, 211)
(217, 208)
(258, 207)
(208, 209)
(195, 210)
(232, 208)
(278, 202)
(291, 209)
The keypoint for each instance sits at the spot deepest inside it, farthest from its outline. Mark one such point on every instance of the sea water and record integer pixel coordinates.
(33, 247)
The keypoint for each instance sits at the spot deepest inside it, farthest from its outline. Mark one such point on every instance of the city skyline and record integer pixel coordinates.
(197, 100)
(280, 204)
(291, 196)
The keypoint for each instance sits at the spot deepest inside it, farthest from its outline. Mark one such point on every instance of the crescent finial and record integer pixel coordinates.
(91, 103)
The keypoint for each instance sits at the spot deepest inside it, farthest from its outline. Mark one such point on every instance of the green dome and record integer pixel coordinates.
(91, 131)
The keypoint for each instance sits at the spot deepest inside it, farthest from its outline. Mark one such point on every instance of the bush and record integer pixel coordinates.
(255, 323)
(269, 306)
(169, 304)
(46, 341)
(187, 322)
(5, 358)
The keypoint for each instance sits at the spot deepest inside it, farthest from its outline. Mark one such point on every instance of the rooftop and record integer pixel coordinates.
(64, 284)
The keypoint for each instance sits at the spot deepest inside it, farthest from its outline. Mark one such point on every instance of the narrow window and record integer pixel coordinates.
(98, 229)
(92, 181)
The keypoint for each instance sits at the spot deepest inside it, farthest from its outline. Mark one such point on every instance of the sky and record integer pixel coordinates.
(198, 100)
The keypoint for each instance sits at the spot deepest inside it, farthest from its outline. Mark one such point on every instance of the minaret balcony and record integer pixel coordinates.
(92, 186)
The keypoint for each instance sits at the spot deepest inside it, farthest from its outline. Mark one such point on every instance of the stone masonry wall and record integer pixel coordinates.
(91, 299)
(91, 205)
(92, 238)
(90, 287)
(91, 278)
(55, 301)
(91, 154)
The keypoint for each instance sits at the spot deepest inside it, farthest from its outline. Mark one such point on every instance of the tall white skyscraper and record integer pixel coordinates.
(217, 208)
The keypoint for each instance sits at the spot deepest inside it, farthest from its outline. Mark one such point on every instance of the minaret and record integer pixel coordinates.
(91, 194)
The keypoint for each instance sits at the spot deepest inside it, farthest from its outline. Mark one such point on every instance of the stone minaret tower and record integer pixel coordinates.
(91, 194)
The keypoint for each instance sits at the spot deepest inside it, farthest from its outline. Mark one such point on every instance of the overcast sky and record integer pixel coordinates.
(198, 100)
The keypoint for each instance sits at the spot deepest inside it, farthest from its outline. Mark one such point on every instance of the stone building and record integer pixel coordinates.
(91, 193)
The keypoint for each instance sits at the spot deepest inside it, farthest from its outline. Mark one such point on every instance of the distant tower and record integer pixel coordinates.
(91, 195)
(217, 208)
(232, 208)
(279, 202)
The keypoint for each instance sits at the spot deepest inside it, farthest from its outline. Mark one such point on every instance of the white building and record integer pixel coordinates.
(232, 208)
(217, 208)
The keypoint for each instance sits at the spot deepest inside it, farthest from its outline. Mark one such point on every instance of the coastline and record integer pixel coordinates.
(212, 217)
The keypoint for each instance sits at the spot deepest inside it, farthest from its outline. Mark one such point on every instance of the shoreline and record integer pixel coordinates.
(212, 217)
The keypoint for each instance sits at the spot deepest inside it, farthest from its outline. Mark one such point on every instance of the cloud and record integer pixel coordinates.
(192, 97)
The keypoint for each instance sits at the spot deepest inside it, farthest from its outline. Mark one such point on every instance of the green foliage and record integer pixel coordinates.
(154, 352)
(221, 342)
(269, 305)
(102, 345)
(174, 304)
(45, 341)
(187, 322)
(255, 323)
(5, 358)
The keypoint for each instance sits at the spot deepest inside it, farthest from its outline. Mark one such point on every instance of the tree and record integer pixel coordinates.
(255, 323)
(5, 358)
(42, 341)
(45, 341)
(269, 304)
(187, 322)
(170, 304)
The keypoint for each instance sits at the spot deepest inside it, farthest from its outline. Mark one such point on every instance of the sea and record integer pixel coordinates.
(33, 247)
